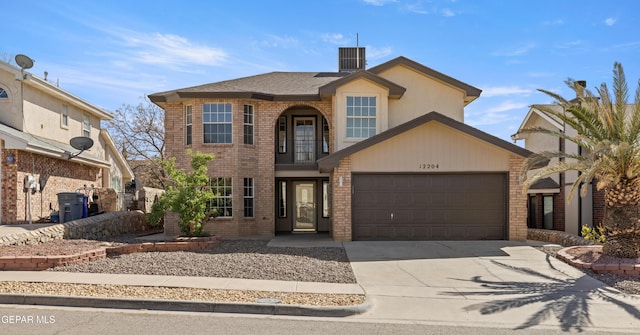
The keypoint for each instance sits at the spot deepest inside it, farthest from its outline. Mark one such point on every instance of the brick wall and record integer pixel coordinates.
(58, 175)
(517, 201)
(341, 225)
(236, 160)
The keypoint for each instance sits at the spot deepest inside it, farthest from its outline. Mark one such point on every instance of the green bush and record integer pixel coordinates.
(593, 234)
(187, 195)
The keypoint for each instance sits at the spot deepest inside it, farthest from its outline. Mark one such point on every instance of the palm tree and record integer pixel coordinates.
(608, 131)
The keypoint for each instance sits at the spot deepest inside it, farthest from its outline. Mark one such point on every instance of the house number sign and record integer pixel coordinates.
(428, 166)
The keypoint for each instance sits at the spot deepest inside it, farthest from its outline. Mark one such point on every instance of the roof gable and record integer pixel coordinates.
(395, 91)
(471, 92)
(333, 160)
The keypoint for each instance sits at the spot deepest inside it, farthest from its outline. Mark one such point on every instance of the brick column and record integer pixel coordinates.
(517, 201)
(341, 201)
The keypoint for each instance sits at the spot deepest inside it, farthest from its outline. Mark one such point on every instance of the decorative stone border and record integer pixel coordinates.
(617, 268)
(35, 263)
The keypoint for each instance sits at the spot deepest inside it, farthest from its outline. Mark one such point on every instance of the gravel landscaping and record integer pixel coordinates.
(247, 259)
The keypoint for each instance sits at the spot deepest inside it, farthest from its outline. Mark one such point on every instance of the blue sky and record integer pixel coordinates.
(111, 53)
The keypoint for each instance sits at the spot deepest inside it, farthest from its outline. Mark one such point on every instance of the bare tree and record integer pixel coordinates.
(138, 132)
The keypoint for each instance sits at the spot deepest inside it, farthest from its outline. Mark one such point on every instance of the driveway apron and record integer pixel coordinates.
(492, 283)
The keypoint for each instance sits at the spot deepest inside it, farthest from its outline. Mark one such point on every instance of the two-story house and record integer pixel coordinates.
(364, 154)
(548, 203)
(37, 121)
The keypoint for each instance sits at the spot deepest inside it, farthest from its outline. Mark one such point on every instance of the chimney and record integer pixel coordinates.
(580, 86)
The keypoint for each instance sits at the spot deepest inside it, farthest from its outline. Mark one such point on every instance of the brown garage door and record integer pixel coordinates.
(429, 206)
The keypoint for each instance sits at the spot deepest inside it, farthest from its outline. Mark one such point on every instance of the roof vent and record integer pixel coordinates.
(351, 59)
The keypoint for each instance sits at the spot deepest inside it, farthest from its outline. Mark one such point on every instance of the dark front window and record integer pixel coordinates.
(282, 199)
(248, 197)
(248, 124)
(325, 136)
(216, 123)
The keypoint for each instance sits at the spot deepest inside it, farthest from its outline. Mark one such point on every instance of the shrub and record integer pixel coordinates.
(188, 195)
(593, 234)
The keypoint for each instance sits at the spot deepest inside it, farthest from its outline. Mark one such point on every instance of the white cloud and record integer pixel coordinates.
(335, 38)
(170, 50)
(378, 2)
(447, 12)
(570, 44)
(557, 22)
(515, 51)
(377, 53)
(610, 21)
(506, 90)
(275, 41)
(496, 114)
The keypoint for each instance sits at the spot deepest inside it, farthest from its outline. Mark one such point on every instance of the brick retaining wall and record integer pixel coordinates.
(32, 263)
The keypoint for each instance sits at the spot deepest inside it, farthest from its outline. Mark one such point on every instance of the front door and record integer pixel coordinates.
(305, 206)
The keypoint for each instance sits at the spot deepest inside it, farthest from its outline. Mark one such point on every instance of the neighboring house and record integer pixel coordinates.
(37, 122)
(375, 154)
(548, 205)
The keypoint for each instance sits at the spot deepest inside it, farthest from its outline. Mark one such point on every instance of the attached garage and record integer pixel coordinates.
(432, 178)
(460, 206)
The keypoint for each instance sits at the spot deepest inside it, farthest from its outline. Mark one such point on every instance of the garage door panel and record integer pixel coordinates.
(429, 206)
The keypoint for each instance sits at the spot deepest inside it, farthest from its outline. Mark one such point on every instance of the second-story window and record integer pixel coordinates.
(188, 117)
(361, 117)
(216, 123)
(282, 134)
(64, 116)
(248, 124)
(86, 125)
(325, 136)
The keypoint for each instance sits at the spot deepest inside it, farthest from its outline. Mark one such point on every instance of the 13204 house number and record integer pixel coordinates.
(428, 166)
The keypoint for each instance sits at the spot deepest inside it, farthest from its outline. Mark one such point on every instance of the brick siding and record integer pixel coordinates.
(61, 175)
(517, 201)
(236, 160)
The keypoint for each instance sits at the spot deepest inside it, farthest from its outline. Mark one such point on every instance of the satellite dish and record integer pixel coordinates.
(81, 143)
(24, 61)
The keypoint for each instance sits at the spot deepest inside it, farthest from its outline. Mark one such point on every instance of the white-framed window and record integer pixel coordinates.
(248, 198)
(248, 124)
(86, 125)
(188, 117)
(64, 116)
(216, 123)
(3, 94)
(223, 201)
(361, 117)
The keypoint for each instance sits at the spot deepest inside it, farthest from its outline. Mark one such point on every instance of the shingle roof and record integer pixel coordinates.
(266, 86)
(305, 85)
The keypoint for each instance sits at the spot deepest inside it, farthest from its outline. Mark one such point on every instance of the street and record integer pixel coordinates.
(18, 319)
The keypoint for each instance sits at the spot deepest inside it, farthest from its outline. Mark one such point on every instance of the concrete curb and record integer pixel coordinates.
(185, 306)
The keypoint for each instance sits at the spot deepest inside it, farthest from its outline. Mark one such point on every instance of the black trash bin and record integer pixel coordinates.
(70, 205)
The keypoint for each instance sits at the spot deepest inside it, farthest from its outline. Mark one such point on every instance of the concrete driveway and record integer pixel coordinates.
(492, 283)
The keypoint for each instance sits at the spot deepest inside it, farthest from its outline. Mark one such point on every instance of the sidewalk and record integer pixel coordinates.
(185, 282)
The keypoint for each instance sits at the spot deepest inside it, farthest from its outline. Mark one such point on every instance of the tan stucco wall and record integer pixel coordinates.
(10, 112)
(361, 87)
(424, 94)
(537, 142)
(432, 147)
